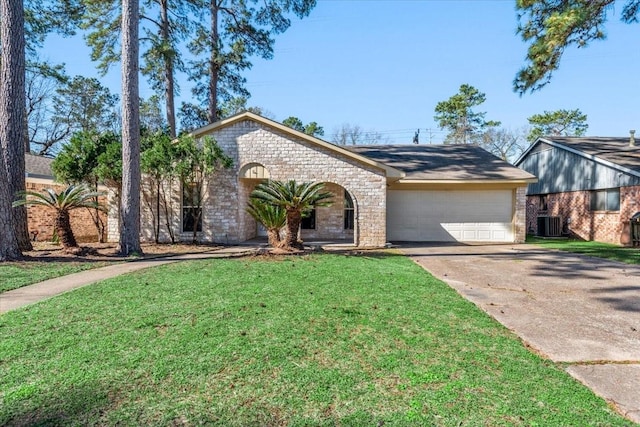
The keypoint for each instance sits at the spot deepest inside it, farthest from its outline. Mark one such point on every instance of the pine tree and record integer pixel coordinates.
(235, 31)
(130, 202)
(12, 128)
(551, 26)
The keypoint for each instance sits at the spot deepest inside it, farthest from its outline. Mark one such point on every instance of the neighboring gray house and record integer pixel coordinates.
(382, 193)
(38, 169)
(588, 187)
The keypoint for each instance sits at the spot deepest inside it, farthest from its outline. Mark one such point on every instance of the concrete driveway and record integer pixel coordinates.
(568, 308)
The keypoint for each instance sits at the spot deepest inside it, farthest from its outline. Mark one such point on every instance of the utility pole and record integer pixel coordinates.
(430, 132)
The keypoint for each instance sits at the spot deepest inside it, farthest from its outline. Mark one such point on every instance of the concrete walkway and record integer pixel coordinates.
(26, 295)
(569, 308)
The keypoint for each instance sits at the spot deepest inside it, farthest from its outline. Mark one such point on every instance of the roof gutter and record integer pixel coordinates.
(523, 181)
(37, 176)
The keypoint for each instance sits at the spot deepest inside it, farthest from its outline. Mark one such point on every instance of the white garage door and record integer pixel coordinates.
(448, 216)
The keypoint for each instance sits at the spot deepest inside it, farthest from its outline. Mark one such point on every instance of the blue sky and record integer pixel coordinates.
(384, 65)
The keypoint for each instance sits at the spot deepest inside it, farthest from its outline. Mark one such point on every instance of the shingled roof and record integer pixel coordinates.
(616, 150)
(455, 162)
(38, 166)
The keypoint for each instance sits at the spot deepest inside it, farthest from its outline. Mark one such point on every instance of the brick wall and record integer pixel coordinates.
(574, 209)
(520, 214)
(42, 219)
(286, 158)
(330, 219)
(226, 194)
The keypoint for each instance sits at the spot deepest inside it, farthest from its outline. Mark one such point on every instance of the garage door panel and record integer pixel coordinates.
(444, 216)
(484, 235)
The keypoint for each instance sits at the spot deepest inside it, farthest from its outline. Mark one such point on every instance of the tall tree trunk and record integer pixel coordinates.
(65, 233)
(27, 142)
(130, 204)
(169, 91)
(169, 95)
(214, 64)
(13, 221)
(9, 249)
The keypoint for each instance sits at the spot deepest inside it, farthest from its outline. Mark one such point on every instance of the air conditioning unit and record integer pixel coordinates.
(549, 226)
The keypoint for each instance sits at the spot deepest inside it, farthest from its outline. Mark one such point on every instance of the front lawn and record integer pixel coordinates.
(595, 249)
(14, 275)
(304, 341)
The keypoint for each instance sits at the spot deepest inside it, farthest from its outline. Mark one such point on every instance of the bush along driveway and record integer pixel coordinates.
(578, 310)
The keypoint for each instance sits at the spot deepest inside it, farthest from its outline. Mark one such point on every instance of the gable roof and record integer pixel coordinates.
(455, 162)
(610, 151)
(407, 163)
(390, 171)
(38, 166)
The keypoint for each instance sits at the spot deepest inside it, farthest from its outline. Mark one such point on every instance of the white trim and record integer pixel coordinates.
(38, 179)
(467, 181)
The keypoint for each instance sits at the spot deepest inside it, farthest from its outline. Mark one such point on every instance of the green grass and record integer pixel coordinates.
(14, 275)
(314, 341)
(595, 249)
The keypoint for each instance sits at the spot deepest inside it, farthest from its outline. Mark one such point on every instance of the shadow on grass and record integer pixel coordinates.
(624, 254)
(371, 253)
(81, 405)
(67, 259)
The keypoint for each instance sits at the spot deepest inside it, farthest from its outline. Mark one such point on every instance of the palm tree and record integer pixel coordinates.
(296, 199)
(73, 197)
(273, 218)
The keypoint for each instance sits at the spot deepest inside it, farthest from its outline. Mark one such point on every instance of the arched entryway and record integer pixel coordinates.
(249, 176)
(337, 223)
(332, 224)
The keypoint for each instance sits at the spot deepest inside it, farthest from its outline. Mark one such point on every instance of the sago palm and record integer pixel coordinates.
(73, 197)
(295, 199)
(273, 218)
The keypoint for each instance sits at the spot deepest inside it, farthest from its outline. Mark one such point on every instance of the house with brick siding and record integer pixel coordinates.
(41, 220)
(588, 187)
(381, 193)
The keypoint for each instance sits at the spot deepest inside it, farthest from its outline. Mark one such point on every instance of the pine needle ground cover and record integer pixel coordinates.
(301, 341)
